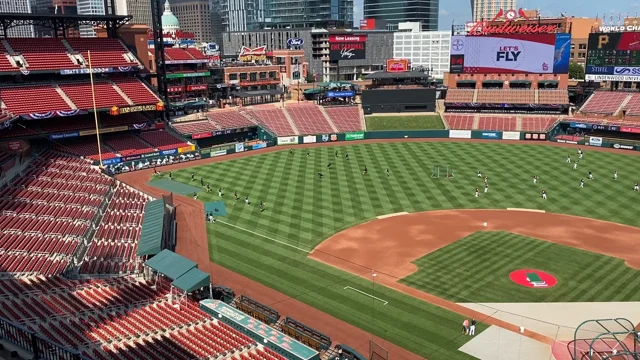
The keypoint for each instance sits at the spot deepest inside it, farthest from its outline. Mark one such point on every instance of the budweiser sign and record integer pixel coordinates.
(511, 24)
(256, 54)
(397, 65)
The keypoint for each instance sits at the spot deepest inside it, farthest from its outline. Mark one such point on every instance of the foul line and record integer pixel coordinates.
(264, 236)
(392, 215)
(369, 295)
(530, 210)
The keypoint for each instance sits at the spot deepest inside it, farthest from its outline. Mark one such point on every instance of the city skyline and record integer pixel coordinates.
(459, 11)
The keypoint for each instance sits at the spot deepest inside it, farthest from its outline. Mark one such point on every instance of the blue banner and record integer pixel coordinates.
(63, 136)
(169, 152)
(258, 146)
(599, 70)
(113, 161)
(579, 125)
(331, 94)
(492, 135)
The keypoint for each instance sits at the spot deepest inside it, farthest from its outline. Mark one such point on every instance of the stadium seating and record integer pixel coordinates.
(229, 119)
(537, 123)
(553, 96)
(162, 140)
(633, 106)
(43, 53)
(345, 118)
(196, 54)
(80, 94)
(308, 119)
(127, 144)
(506, 96)
(177, 54)
(604, 102)
(5, 64)
(29, 99)
(459, 122)
(105, 52)
(85, 147)
(497, 123)
(195, 127)
(136, 90)
(460, 95)
(273, 119)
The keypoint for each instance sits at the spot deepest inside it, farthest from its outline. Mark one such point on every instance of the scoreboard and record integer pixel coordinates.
(613, 56)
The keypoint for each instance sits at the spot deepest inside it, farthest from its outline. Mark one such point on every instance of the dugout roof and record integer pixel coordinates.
(170, 264)
(152, 227)
(192, 280)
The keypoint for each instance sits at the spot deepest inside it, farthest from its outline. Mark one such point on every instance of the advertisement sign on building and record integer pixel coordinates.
(595, 141)
(347, 47)
(239, 147)
(397, 65)
(491, 135)
(511, 135)
(511, 54)
(460, 134)
(332, 94)
(251, 55)
(287, 140)
(510, 25)
(203, 135)
(309, 139)
(136, 108)
(613, 57)
(197, 87)
(295, 42)
(367, 24)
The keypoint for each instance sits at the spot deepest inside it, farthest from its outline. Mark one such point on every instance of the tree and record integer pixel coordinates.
(576, 71)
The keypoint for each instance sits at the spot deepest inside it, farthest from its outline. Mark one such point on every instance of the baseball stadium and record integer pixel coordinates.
(489, 219)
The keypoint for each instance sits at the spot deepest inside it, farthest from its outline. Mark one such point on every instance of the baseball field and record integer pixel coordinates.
(275, 245)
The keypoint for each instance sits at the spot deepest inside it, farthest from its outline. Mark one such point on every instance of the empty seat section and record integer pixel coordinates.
(43, 53)
(273, 119)
(127, 144)
(163, 140)
(136, 91)
(80, 94)
(195, 127)
(604, 102)
(85, 147)
(30, 99)
(177, 54)
(553, 96)
(497, 123)
(345, 118)
(105, 52)
(460, 95)
(459, 121)
(309, 119)
(229, 119)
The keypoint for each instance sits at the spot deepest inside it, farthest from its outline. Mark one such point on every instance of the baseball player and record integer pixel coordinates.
(581, 183)
(479, 174)
(575, 165)
(635, 187)
(580, 154)
(535, 179)
(568, 159)
(477, 192)
(486, 187)
(615, 175)
(193, 176)
(220, 192)
(544, 194)
(246, 200)
(590, 176)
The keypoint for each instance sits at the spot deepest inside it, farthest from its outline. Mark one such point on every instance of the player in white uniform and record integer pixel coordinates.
(535, 179)
(568, 159)
(477, 192)
(590, 176)
(575, 165)
(635, 187)
(486, 187)
(581, 183)
(615, 175)
(544, 194)
(580, 154)
(479, 173)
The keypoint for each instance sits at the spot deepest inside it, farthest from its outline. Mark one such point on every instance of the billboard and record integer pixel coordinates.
(251, 55)
(397, 65)
(511, 54)
(347, 47)
(613, 56)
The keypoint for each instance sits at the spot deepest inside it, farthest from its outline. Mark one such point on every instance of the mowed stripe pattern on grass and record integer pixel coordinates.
(477, 268)
(303, 210)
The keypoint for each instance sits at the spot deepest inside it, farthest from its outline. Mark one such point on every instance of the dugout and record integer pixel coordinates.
(257, 310)
(400, 92)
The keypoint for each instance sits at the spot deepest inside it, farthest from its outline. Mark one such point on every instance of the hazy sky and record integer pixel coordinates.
(460, 10)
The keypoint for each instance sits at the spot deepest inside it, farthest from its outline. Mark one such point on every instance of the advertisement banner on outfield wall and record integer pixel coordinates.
(309, 139)
(624, 147)
(258, 146)
(354, 135)
(239, 147)
(219, 153)
(595, 141)
(460, 134)
(491, 135)
(288, 140)
(511, 135)
(535, 136)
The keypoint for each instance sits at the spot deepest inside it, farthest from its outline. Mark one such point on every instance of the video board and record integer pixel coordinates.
(347, 47)
(613, 56)
(510, 54)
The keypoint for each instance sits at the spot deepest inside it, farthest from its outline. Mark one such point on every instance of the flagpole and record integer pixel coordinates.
(95, 111)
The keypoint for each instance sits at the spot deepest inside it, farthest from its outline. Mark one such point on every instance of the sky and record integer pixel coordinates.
(460, 10)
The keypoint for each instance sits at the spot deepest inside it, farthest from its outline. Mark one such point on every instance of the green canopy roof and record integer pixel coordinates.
(313, 91)
(192, 280)
(152, 226)
(521, 81)
(170, 264)
(466, 81)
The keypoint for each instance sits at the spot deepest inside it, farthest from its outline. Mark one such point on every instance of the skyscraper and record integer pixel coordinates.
(394, 12)
(17, 6)
(89, 7)
(308, 14)
(139, 9)
(194, 17)
(487, 9)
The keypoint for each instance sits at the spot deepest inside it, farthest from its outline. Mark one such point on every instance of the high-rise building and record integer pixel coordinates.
(63, 7)
(394, 12)
(139, 9)
(487, 9)
(425, 49)
(325, 14)
(17, 6)
(194, 17)
(239, 15)
(89, 7)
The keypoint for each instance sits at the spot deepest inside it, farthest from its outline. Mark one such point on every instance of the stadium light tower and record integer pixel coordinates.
(158, 48)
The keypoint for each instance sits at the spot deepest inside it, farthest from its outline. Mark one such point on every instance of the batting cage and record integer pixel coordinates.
(603, 339)
(442, 171)
(377, 352)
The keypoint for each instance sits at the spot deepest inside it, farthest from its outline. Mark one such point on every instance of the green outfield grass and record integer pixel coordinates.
(301, 211)
(409, 122)
(477, 268)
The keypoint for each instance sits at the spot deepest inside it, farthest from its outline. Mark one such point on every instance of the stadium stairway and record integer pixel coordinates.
(290, 120)
(326, 116)
(119, 91)
(64, 96)
(518, 122)
(475, 95)
(536, 96)
(8, 47)
(476, 121)
(623, 105)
